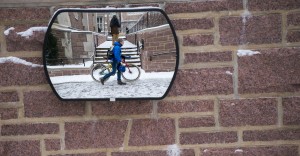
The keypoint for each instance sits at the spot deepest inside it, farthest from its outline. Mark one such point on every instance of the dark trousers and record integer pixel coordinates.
(115, 66)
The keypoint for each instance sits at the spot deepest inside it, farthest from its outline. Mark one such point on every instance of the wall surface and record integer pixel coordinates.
(237, 91)
(159, 52)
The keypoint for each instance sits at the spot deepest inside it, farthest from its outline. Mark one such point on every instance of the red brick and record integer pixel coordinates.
(208, 57)
(271, 135)
(248, 112)
(34, 60)
(187, 7)
(252, 151)
(262, 29)
(186, 24)
(196, 122)
(184, 152)
(202, 81)
(146, 132)
(19, 74)
(30, 129)
(208, 138)
(11, 96)
(46, 104)
(185, 106)
(291, 111)
(293, 36)
(122, 108)
(293, 19)
(20, 148)
(8, 113)
(273, 70)
(26, 14)
(32, 43)
(98, 134)
(198, 40)
(256, 5)
(52, 144)
(87, 154)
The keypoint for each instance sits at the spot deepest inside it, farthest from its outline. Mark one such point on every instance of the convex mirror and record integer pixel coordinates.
(77, 47)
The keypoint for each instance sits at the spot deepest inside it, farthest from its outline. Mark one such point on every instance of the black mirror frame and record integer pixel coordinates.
(103, 10)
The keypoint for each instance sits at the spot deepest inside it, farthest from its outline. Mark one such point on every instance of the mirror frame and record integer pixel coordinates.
(104, 10)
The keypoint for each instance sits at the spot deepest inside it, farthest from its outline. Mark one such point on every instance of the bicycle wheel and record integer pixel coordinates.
(98, 71)
(131, 73)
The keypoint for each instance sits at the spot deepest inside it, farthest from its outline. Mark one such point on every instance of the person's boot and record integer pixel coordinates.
(102, 80)
(121, 83)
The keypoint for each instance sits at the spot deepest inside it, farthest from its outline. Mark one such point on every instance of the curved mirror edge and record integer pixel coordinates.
(66, 74)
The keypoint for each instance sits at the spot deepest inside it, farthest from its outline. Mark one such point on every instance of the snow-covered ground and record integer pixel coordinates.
(148, 85)
(107, 44)
(87, 64)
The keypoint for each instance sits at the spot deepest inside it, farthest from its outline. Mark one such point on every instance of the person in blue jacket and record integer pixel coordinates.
(116, 62)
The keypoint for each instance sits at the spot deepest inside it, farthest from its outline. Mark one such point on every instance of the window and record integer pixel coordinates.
(100, 24)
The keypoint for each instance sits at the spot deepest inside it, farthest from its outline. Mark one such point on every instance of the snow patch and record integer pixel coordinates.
(6, 32)
(206, 150)
(229, 73)
(108, 44)
(238, 151)
(87, 64)
(18, 61)
(246, 15)
(72, 78)
(173, 150)
(241, 53)
(88, 78)
(29, 32)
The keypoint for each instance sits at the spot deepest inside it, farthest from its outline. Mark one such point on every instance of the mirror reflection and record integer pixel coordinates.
(110, 55)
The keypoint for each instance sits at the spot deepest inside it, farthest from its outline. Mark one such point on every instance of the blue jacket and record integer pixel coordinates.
(117, 52)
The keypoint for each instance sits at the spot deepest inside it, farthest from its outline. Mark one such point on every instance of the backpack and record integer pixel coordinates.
(110, 53)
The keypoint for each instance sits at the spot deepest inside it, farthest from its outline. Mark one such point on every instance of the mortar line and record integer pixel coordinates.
(127, 134)
(197, 152)
(21, 109)
(43, 147)
(88, 109)
(240, 136)
(216, 113)
(3, 47)
(279, 112)
(154, 113)
(216, 31)
(235, 76)
(62, 134)
(177, 132)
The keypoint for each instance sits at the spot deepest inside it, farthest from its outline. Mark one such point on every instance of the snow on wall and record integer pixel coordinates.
(238, 151)
(6, 32)
(173, 150)
(241, 53)
(29, 32)
(18, 61)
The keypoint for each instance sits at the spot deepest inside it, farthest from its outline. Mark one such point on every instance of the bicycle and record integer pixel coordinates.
(132, 72)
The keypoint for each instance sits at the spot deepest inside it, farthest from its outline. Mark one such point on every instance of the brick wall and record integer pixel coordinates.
(220, 103)
(156, 42)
